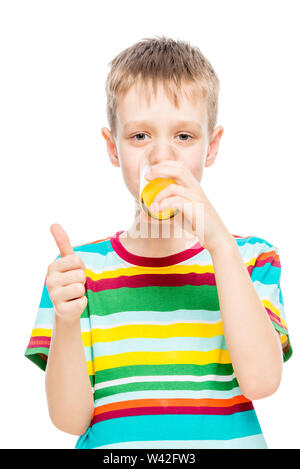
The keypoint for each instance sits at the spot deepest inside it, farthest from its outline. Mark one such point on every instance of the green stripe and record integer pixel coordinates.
(279, 328)
(288, 354)
(289, 351)
(166, 385)
(160, 298)
(154, 370)
(32, 354)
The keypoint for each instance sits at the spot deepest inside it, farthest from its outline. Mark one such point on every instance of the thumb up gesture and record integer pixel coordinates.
(66, 278)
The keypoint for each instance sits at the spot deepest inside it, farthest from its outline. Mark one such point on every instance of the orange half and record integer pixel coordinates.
(149, 193)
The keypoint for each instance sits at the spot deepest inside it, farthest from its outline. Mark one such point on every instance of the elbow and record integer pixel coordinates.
(263, 383)
(70, 418)
(71, 428)
(66, 422)
(261, 390)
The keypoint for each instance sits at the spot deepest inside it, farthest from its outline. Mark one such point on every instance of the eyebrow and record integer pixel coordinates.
(181, 123)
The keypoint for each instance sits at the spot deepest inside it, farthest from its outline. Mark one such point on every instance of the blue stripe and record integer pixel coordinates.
(170, 427)
(45, 299)
(247, 442)
(160, 345)
(267, 274)
(102, 247)
(179, 315)
(266, 290)
(280, 296)
(169, 394)
(88, 353)
(253, 240)
(44, 316)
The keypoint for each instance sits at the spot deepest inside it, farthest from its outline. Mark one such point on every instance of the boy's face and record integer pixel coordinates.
(159, 131)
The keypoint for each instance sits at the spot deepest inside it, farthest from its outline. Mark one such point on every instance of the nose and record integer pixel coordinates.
(161, 152)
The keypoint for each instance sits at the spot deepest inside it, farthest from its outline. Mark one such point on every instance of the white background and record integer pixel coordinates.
(55, 168)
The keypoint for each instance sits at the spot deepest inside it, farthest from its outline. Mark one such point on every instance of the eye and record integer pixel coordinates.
(185, 139)
(139, 135)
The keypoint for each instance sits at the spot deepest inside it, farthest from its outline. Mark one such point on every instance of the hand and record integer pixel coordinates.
(188, 195)
(66, 278)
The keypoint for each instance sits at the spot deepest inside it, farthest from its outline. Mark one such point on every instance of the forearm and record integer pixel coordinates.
(68, 387)
(253, 343)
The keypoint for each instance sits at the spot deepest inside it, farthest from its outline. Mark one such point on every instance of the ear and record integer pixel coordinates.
(214, 146)
(111, 146)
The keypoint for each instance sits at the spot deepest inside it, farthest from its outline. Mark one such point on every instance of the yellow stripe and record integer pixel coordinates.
(251, 262)
(43, 332)
(161, 358)
(283, 338)
(129, 271)
(90, 367)
(274, 310)
(157, 331)
(87, 339)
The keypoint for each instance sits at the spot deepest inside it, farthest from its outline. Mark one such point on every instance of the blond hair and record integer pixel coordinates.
(164, 60)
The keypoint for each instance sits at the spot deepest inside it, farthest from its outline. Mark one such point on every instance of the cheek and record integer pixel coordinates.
(195, 164)
(129, 171)
(199, 173)
(130, 174)
(127, 159)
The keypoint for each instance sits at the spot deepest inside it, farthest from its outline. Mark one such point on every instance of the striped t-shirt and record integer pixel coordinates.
(155, 348)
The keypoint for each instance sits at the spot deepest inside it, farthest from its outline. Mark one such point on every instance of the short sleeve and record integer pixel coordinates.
(38, 346)
(266, 276)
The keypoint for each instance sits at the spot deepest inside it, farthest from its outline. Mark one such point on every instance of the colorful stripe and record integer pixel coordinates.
(155, 348)
(247, 442)
(170, 427)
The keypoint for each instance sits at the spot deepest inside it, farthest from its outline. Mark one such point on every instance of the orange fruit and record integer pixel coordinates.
(150, 191)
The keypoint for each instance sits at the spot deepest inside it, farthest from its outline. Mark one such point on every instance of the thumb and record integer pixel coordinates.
(62, 240)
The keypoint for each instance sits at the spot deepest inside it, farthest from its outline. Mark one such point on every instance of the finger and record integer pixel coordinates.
(62, 240)
(192, 212)
(176, 202)
(72, 276)
(171, 189)
(71, 262)
(70, 307)
(70, 292)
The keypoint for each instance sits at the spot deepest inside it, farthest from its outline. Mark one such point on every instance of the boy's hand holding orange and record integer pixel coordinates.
(188, 195)
(66, 279)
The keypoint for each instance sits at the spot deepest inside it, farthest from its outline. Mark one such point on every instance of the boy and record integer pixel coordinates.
(154, 341)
